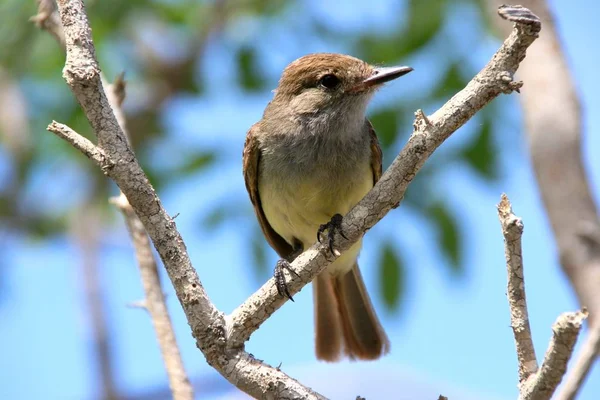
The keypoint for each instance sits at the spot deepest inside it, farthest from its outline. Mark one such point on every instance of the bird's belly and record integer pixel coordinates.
(295, 208)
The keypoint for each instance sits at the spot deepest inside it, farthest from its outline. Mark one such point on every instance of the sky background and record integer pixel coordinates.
(451, 336)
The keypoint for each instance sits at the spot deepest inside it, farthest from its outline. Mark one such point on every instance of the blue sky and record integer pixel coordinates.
(451, 337)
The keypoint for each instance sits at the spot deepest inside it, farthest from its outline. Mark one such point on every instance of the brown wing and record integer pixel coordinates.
(251, 161)
(376, 154)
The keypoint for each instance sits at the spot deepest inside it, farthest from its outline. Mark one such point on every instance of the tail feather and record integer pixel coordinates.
(353, 317)
(328, 340)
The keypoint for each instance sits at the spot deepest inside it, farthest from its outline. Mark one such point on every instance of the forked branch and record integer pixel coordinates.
(534, 383)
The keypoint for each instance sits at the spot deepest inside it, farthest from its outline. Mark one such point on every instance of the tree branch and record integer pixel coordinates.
(582, 366)
(221, 341)
(429, 133)
(81, 143)
(155, 303)
(534, 383)
(47, 19)
(87, 236)
(565, 332)
(554, 134)
(512, 228)
(181, 388)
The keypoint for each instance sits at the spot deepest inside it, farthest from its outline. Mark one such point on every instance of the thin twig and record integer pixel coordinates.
(534, 383)
(48, 19)
(82, 144)
(155, 303)
(541, 386)
(512, 229)
(87, 235)
(583, 364)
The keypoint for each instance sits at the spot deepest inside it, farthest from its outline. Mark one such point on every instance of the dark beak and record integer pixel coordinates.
(385, 74)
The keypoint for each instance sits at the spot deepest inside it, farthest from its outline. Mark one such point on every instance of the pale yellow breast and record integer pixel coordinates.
(296, 208)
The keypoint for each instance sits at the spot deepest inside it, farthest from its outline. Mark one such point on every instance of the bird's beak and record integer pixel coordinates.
(385, 74)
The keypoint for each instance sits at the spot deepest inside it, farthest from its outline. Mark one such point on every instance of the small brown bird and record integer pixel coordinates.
(307, 162)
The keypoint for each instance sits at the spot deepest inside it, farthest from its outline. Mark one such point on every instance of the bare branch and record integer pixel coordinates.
(582, 366)
(82, 144)
(115, 93)
(534, 384)
(222, 343)
(541, 386)
(47, 19)
(554, 134)
(87, 236)
(155, 303)
(429, 133)
(512, 229)
(83, 76)
(179, 383)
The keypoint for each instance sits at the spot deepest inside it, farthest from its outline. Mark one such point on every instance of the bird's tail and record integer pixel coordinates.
(345, 319)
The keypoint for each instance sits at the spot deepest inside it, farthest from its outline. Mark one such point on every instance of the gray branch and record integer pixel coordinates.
(220, 339)
(554, 133)
(512, 229)
(81, 143)
(541, 385)
(582, 365)
(534, 383)
(49, 20)
(155, 303)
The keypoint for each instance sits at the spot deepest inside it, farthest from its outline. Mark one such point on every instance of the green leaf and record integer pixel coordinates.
(377, 49)
(487, 18)
(449, 237)
(391, 276)
(215, 218)
(480, 154)
(451, 83)
(259, 254)
(226, 212)
(385, 122)
(194, 164)
(249, 76)
(155, 177)
(425, 18)
(40, 228)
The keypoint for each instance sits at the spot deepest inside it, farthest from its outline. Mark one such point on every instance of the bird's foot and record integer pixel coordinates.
(279, 276)
(331, 227)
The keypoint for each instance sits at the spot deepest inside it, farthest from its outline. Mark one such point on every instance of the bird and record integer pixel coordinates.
(306, 163)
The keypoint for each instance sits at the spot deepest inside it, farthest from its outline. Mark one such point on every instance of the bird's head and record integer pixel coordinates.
(327, 82)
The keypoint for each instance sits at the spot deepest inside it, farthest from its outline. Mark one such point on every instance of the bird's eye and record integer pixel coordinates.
(329, 81)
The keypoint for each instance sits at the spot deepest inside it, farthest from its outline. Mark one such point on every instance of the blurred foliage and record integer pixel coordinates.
(250, 77)
(162, 46)
(424, 20)
(391, 275)
(449, 237)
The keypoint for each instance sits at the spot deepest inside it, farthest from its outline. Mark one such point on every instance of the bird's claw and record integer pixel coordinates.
(279, 276)
(331, 227)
